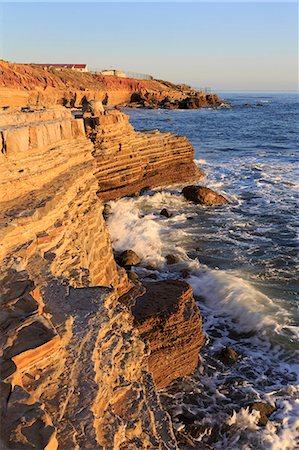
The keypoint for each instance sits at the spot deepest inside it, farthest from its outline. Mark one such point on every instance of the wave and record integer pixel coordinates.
(230, 295)
(129, 231)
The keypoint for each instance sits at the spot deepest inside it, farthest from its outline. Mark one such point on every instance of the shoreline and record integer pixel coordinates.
(48, 253)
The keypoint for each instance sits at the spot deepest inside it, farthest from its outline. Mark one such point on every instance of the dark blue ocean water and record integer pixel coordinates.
(242, 260)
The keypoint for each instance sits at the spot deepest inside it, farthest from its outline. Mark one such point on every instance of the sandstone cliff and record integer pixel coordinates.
(128, 161)
(167, 317)
(25, 85)
(79, 368)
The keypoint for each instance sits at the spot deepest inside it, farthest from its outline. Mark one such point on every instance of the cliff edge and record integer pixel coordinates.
(79, 358)
(30, 85)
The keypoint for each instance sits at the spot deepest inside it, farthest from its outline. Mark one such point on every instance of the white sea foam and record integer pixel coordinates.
(244, 419)
(129, 231)
(233, 296)
(201, 162)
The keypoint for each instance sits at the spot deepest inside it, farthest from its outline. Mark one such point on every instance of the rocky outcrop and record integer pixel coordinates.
(167, 317)
(174, 97)
(128, 161)
(203, 196)
(75, 372)
(30, 85)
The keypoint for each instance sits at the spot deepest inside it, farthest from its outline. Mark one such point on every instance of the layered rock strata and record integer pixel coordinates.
(75, 372)
(30, 85)
(167, 317)
(128, 161)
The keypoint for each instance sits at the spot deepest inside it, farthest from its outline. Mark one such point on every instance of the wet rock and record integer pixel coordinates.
(228, 355)
(171, 259)
(133, 276)
(128, 258)
(203, 196)
(164, 212)
(106, 211)
(265, 410)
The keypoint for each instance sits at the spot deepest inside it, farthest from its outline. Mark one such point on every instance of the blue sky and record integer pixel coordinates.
(224, 45)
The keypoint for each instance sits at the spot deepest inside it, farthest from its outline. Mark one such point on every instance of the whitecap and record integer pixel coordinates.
(231, 295)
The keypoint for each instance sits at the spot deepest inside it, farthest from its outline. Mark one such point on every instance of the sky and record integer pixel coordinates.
(222, 45)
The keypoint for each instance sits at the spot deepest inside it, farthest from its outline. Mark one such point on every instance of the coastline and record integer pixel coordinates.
(57, 253)
(44, 253)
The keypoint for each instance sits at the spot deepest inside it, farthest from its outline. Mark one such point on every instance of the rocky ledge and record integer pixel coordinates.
(81, 367)
(128, 161)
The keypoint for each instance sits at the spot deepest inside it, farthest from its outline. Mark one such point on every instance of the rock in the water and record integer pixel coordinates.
(203, 196)
(133, 276)
(164, 212)
(92, 106)
(171, 259)
(106, 211)
(265, 410)
(228, 355)
(128, 258)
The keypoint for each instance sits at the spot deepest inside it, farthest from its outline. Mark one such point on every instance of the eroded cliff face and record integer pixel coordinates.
(30, 85)
(128, 161)
(167, 317)
(77, 371)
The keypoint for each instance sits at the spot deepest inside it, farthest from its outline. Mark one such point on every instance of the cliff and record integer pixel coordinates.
(167, 317)
(78, 364)
(29, 85)
(128, 161)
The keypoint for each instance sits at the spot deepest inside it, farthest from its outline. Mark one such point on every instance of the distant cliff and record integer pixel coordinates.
(24, 84)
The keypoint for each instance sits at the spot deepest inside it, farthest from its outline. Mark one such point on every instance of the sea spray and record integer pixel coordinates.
(232, 296)
(129, 231)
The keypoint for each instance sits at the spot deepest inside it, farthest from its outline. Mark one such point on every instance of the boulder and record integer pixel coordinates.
(265, 410)
(228, 355)
(203, 195)
(133, 276)
(164, 212)
(128, 258)
(92, 106)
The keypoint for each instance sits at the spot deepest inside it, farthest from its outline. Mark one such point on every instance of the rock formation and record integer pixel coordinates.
(167, 317)
(128, 161)
(203, 196)
(77, 365)
(30, 85)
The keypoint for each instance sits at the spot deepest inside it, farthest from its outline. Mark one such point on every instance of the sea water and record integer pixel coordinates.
(241, 260)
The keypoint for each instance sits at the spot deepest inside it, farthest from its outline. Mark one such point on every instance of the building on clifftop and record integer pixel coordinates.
(114, 73)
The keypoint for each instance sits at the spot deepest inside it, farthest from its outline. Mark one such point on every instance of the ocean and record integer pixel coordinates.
(241, 260)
